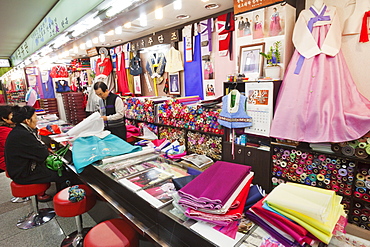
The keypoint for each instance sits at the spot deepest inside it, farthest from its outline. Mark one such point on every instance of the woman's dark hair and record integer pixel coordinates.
(100, 85)
(22, 113)
(5, 110)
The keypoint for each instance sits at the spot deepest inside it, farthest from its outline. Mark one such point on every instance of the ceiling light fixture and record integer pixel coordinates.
(212, 6)
(177, 4)
(117, 6)
(117, 40)
(75, 49)
(118, 30)
(86, 24)
(82, 46)
(143, 20)
(89, 43)
(159, 13)
(102, 38)
(95, 40)
(182, 17)
(110, 33)
(127, 25)
(106, 44)
(204, 1)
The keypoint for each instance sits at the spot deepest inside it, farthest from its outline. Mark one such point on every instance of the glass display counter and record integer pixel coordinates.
(141, 189)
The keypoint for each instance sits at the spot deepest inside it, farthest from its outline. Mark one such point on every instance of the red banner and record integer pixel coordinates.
(241, 6)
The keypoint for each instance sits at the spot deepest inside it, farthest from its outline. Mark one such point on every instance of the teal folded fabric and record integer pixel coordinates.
(87, 150)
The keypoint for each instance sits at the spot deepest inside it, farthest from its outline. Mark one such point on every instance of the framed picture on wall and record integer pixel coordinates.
(137, 85)
(174, 83)
(250, 60)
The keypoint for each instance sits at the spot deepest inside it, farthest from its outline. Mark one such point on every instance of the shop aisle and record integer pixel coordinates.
(50, 234)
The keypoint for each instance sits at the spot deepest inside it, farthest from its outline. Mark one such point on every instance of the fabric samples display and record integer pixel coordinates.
(317, 210)
(312, 169)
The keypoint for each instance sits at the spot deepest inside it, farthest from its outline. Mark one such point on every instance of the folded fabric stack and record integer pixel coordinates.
(296, 214)
(217, 195)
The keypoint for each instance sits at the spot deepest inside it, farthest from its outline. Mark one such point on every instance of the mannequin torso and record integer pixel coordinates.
(318, 4)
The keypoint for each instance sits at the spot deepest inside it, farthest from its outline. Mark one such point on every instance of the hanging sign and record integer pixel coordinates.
(241, 6)
(4, 63)
(164, 37)
(60, 17)
(92, 52)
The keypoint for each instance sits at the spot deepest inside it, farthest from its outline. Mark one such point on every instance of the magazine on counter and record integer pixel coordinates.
(145, 179)
(159, 194)
(199, 160)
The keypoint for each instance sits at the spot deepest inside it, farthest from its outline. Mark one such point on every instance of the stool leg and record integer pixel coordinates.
(37, 217)
(75, 239)
(19, 199)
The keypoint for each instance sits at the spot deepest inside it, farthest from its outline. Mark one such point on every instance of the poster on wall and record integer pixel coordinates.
(209, 89)
(250, 60)
(275, 20)
(241, 6)
(174, 83)
(208, 73)
(258, 25)
(137, 85)
(260, 107)
(244, 24)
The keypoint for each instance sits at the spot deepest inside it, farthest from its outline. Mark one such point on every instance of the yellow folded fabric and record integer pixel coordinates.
(318, 210)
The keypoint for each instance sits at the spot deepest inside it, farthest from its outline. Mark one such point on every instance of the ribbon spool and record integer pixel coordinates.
(336, 148)
(348, 150)
(362, 145)
(360, 183)
(367, 149)
(342, 172)
(361, 153)
(353, 143)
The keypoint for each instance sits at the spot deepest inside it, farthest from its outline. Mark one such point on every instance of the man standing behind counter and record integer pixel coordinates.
(111, 110)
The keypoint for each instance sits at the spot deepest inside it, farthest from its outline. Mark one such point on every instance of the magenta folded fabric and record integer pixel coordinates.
(223, 219)
(213, 187)
(300, 234)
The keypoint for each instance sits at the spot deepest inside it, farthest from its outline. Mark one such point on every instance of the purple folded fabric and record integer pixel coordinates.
(216, 184)
(283, 240)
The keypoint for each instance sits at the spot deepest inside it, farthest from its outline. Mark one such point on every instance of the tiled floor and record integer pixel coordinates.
(50, 234)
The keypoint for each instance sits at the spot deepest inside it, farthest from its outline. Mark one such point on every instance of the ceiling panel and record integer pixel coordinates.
(17, 19)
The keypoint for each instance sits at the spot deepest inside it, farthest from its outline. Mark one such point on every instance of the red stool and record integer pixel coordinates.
(65, 208)
(17, 199)
(38, 216)
(112, 233)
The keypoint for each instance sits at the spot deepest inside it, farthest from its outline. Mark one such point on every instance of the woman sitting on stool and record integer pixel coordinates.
(25, 153)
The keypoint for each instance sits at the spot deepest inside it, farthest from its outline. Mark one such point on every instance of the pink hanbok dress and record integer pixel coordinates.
(318, 100)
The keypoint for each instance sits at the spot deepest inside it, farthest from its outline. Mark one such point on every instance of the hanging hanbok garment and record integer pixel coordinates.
(173, 61)
(104, 67)
(353, 23)
(156, 65)
(318, 100)
(364, 35)
(122, 81)
(205, 29)
(275, 27)
(233, 113)
(187, 33)
(31, 96)
(225, 26)
(258, 30)
(47, 85)
(59, 71)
